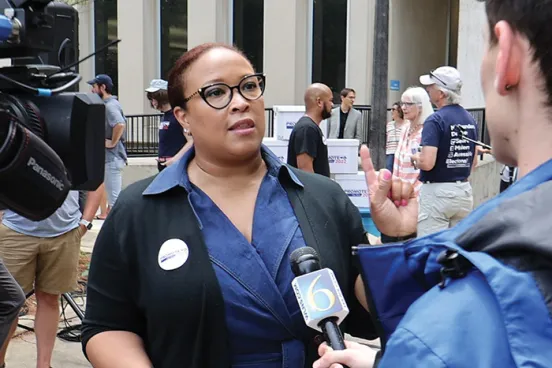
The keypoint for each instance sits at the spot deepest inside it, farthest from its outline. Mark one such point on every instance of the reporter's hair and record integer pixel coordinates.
(161, 96)
(177, 75)
(532, 19)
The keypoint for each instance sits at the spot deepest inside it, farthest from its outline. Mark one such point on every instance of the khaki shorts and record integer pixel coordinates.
(443, 205)
(49, 265)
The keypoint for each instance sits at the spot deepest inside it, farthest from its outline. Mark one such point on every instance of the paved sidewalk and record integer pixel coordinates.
(88, 240)
(22, 354)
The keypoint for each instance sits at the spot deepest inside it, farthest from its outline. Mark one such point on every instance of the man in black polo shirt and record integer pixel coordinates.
(173, 140)
(307, 148)
(446, 159)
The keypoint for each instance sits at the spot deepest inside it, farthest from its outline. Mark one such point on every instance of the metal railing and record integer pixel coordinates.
(142, 133)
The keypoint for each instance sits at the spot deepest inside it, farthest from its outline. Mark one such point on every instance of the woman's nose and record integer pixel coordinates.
(238, 102)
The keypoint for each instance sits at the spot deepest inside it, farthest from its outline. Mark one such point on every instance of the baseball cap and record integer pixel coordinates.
(102, 79)
(156, 85)
(444, 76)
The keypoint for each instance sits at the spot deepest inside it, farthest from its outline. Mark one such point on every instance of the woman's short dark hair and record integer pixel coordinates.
(399, 109)
(176, 76)
(161, 96)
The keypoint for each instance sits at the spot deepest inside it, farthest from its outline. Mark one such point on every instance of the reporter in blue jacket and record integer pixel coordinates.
(478, 294)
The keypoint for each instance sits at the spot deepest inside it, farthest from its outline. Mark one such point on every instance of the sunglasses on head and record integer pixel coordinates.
(432, 75)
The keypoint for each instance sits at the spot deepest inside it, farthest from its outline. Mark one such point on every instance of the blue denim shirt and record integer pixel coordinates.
(264, 320)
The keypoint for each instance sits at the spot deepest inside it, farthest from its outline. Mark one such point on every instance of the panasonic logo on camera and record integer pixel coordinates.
(45, 174)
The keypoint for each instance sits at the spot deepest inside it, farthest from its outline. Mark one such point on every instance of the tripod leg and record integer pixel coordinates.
(69, 299)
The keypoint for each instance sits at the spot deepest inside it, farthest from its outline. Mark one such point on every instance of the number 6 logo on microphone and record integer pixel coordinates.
(312, 296)
(319, 297)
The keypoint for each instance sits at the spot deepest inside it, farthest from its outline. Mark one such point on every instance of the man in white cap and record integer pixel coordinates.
(173, 140)
(446, 158)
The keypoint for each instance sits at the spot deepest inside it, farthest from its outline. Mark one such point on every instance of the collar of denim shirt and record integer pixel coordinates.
(177, 174)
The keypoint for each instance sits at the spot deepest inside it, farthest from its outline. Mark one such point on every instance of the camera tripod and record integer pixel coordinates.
(74, 306)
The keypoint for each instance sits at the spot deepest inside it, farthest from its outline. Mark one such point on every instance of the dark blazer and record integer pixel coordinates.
(186, 327)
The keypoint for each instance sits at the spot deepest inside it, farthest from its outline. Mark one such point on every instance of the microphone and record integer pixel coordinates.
(464, 135)
(319, 296)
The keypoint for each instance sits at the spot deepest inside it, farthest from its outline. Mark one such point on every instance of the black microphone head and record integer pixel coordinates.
(460, 130)
(304, 260)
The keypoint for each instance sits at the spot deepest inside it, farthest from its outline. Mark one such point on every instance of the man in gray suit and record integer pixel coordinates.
(346, 122)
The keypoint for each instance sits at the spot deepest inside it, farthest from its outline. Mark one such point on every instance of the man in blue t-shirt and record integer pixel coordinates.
(446, 158)
(174, 141)
(115, 151)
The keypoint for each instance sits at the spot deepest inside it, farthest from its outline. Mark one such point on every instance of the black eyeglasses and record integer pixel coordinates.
(219, 95)
(436, 77)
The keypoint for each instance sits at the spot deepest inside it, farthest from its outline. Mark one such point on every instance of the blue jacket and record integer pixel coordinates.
(493, 309)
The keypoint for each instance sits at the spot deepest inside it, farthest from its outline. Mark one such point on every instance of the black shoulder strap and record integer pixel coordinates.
(295, 197)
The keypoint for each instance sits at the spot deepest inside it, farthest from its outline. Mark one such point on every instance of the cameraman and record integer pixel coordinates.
(44, 255)
(115, 152)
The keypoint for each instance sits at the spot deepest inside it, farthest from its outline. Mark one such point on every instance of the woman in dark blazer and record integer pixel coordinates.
(191, 268)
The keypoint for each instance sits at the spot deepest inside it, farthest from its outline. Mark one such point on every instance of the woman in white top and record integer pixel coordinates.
(393, 133)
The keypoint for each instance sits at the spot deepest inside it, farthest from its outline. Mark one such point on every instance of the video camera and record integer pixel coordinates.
(51, 140)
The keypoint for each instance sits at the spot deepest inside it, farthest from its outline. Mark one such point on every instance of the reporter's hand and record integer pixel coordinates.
(393, 203)
(354, 356)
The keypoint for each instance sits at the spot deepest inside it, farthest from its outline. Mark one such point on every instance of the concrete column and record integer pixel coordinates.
(86, 43)
(137, 60)
(208, 21)
(360, 41)
(417, 41)
(286, 49)
(471, 46)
